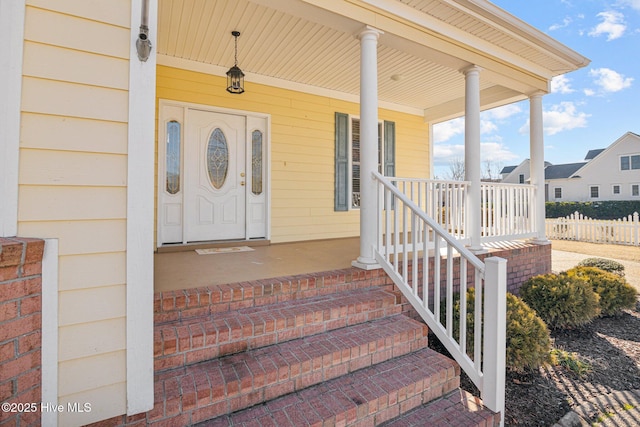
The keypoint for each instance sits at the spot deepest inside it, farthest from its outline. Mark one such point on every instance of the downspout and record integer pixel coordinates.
(143, 44)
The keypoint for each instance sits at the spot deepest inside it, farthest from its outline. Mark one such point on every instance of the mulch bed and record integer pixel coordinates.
(611, 346)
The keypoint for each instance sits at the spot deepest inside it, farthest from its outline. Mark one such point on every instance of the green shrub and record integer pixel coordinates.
(603, 264)
(562, 301)
(614, 291)
(607, 209)
(570, 361)
(528, 341)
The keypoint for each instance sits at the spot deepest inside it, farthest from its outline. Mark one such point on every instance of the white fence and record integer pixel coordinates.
(623, 231)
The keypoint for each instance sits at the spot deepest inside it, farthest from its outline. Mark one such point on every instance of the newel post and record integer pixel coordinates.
(495, 331)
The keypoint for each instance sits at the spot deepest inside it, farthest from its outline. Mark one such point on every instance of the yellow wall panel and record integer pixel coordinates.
(116, 12)
(76, 33)
(57, 203)
(72, 134)
(76, 100)
(106, 402)
(47, 167)
(91, 339)
(302, 149)
(91, 305)
(92, 270)
(79, 237)
(89, 373)
(55, 63)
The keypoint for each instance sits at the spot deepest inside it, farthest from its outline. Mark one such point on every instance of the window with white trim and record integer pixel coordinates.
(635, 190)
(594, 191)
(631, 162)
(557, 193)
(521, 178)
(347, 158)
(616, 189)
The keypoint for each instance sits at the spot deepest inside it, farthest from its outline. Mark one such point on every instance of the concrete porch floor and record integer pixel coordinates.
(183, 270)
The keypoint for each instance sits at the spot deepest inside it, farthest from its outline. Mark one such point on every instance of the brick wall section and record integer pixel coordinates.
(20, 327)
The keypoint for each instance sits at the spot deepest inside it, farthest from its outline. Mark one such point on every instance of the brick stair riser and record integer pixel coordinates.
(176, 305)
(187, 344)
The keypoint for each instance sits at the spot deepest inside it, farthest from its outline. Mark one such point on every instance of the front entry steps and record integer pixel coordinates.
(328, 349)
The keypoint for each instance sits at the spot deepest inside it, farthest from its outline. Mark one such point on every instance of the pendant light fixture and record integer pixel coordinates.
(235, 76)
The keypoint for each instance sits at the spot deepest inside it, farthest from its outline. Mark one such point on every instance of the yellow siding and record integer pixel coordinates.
(72, 186)
(302, 149)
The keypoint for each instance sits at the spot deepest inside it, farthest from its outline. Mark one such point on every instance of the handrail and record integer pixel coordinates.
(422, 259)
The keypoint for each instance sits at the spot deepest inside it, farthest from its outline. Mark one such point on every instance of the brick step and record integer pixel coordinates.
(458, 408)
(170, 306)
(225, 385)
(195, 340)
(366, 397)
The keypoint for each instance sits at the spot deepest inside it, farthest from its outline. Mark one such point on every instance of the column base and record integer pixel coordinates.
(539, 241)
(365, 264)
(477, 250)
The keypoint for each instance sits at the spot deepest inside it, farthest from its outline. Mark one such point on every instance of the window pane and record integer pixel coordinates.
(616, 189)
(256, 162)
(624, 163)
(635, 190)
(558, 193)
(635, 162)
(217, 158)
(173, 157)
(595, 192)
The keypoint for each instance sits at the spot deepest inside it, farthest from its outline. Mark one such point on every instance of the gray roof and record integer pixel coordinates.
(508, 169)
(562, 171)
(593, 153)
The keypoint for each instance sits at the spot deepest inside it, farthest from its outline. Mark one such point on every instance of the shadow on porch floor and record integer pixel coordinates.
(183, 270)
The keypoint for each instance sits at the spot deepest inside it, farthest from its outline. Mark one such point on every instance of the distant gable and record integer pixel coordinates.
(593, 153)
(562, 171)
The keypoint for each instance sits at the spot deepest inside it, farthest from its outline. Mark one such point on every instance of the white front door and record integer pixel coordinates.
(215, 175)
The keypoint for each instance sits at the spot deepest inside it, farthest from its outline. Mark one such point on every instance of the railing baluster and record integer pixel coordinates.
(415, 232)
(449, 291)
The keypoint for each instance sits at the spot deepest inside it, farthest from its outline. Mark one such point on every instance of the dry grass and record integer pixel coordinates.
(618, 252)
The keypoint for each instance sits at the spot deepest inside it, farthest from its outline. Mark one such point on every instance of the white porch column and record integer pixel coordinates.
(368, 146)
(536, 145)
(472, 153)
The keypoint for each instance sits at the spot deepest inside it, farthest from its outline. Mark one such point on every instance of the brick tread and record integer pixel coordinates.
(457, 409)
(191, 341)
(231, 383)
(187, 303)
(366, 397)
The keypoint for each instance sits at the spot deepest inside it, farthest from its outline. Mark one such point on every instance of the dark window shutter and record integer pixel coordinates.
(389, 149)
(342, 163)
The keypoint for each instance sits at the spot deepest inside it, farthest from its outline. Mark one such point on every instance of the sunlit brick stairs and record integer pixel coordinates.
(317, 350)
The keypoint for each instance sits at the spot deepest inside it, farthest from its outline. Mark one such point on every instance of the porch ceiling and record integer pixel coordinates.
(424, 46)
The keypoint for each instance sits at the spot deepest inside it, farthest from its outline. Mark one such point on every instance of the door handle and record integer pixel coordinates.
(242, 183)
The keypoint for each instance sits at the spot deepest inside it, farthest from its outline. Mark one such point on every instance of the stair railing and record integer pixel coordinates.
(429, 266)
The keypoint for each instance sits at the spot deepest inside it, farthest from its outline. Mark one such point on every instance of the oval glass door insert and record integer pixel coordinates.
(217, 158)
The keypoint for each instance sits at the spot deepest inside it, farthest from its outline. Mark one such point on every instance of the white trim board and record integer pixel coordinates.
(12, 15)
(49, 352)
(140, 205)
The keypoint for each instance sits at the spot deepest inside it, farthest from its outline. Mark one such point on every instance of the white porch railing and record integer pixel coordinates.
(427, 264)
(506, 209)
(623, 231)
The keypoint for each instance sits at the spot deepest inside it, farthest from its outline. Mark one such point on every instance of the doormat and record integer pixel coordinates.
(213, 251)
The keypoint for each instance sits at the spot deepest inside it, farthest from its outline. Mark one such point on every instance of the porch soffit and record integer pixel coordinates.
(316, 45)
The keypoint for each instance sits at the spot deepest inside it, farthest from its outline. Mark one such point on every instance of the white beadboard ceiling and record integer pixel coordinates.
(322, 50)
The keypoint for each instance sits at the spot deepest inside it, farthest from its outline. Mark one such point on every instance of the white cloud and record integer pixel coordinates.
(559, 118)
(501, 113)
(446, 130)
(635, 4)
(609, 80)
(612, 25)
(589, 92)
(565, 23)
(561, 84)
(444, 154)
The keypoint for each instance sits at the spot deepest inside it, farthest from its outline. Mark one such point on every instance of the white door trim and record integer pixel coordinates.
(12, 15)
(162, 104)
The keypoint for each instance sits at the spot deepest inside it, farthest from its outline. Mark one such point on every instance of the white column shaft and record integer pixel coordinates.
(472, 153)
(536, 146)
(368, 145)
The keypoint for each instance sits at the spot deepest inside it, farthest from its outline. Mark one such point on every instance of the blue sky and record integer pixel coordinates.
(586, 109)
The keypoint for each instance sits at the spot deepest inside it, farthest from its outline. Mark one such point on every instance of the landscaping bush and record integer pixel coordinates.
(561, 300)
(603, 264)
(614, 291)
(607, 209)
(528, 341)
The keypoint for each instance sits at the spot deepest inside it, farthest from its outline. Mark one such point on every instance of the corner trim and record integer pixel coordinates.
(12, 15)
(50, 330)
(140, 200)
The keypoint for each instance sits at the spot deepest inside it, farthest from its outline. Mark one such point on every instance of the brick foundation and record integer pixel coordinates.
(20, 328)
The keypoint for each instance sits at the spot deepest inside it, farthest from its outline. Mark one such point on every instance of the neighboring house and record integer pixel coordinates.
(587, 180)
(110, 157)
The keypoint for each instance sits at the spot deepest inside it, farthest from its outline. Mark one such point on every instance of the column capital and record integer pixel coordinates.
(470, 69)
(537, 94)
(370, 31)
